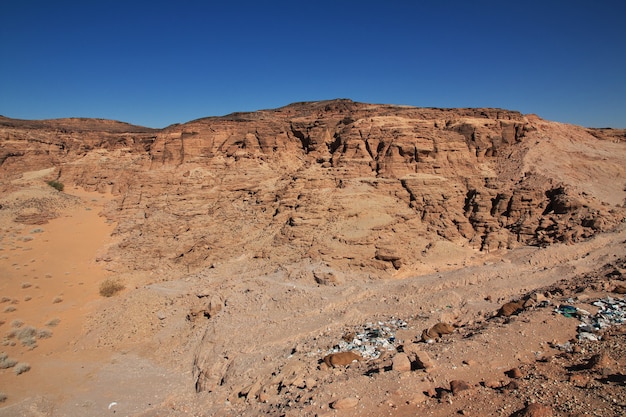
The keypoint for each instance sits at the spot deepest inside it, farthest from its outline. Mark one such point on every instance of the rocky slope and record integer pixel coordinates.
(362, 187)
(258, 237)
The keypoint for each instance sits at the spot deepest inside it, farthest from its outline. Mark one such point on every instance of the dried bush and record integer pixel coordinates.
(44, 334)
(26, 336)
(54, 322)
(6, 362)
(110, 287)
(21, 367)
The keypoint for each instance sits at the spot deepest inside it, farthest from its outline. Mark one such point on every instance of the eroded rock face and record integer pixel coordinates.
(351, 185)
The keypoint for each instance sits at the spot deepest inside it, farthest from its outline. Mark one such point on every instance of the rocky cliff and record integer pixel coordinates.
(357, 187)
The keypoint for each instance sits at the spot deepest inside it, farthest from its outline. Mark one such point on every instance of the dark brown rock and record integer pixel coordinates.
(511, 308)
(514, 373)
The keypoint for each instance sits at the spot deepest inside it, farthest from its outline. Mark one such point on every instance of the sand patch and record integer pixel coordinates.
(50, 282)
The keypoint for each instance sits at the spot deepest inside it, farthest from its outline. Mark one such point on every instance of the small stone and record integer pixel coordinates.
(620, 289)
(511, 308)
(534, 410)
(599, 361)
(492, 383)
(457, 386)
(538, 297)
(423, 360)
(514, 373)
(579, 380)
(469, 362)
(341, 359)
(401, 363)
(418, 398)
(345, 403)
(431, 392)
(511, 386)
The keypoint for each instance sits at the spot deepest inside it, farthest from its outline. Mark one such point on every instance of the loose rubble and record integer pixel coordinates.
(611, 312)
(371, 339)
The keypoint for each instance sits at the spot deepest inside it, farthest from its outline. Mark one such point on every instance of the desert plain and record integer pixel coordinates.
(249, 248)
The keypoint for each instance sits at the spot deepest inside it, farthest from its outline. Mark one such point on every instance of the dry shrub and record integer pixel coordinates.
(26, 336)
(110, 287)
(6, 362)
(44, 334)
(54, 322)
(21, 367)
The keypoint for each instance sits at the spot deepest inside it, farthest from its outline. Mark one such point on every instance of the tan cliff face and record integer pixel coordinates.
(249, 245)
(357, 186)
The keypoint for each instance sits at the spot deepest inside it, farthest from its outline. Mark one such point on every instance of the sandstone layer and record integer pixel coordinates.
(247, 241)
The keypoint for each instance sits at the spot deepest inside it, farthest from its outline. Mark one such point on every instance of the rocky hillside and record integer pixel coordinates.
(371, 189)
(253, 245)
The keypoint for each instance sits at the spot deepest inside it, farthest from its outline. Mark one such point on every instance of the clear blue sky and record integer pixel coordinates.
(156, 62)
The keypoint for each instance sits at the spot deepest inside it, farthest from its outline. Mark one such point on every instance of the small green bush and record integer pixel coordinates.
(56, 185)
(110, 287)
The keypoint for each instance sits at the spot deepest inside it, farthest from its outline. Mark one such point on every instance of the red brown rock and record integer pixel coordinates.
(401, 363)
(345, 403)
(456, 386)
(534, 410)
(341, 359)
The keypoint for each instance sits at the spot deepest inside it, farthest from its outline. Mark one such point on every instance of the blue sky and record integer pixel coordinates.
(161, 62)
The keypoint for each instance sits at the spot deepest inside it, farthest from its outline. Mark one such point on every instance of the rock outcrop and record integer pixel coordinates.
(356, 186)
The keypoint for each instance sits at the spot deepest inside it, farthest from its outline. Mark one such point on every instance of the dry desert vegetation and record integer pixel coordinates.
(321, 259)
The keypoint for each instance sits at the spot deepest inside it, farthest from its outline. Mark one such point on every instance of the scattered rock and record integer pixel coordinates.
(422, 359)
(345, 403)
(457, 386)
(431, 393)
(341, 359)
(401, 363)
(492, 383)
(511, 308)
(511, 386)
(579, 380)
(514, 373)
(418, 398)
(620, 289)
(534, 410)
(599, 362)
(436, 331)
(326, 278)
